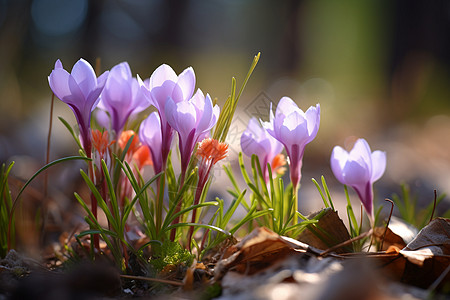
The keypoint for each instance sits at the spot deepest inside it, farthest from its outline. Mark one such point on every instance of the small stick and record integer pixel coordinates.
(47, 161)
(47, 157)
(441, 277)
(347, 242)
(387, 224)
(172, 282)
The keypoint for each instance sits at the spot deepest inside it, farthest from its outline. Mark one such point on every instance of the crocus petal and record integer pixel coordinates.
(250, 145)
(359, 168)
(286, 106)
(140, 102)
(254, 128)
(77, 94)
(144, 89)
(312, 116)
(93, 97)
(117, 93)
(256, 140)
(204, 110)
(186, 81)
(181, 116)
(378, 164)
(58, 64)
(102, 118)
(150, 135)
(162, 74)
(269, 126)
(275, 146)
(101, 80)
(121, 96)
(84, 75)
(59, 83)
(361, 150)
(338, 159)
(365, 193)
(356, 173)
(160, 94)
(215, 115)
(80, 90)
(294, 130)
(198, 100)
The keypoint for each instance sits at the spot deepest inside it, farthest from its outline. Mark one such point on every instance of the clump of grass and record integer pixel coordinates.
(406, 204)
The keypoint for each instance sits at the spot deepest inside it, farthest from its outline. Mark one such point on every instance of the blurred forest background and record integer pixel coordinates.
(379, 69)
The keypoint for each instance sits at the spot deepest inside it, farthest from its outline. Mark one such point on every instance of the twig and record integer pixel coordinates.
(47, 161)
(387, 224)
(172, 282)
(441, 277)
(347, 242)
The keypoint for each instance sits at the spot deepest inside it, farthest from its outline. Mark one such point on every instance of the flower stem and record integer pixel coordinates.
(178, 208)
(47, 161)
(295, 199)
(95, 237)
(160, 183)
(198, 194)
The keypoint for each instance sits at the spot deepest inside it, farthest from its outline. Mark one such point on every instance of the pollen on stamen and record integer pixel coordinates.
(100, 141)
(278, 163)
(142, 156)
(125, 136)
(210, 149)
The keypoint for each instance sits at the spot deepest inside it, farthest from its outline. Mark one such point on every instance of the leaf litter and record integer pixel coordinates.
(265, 265)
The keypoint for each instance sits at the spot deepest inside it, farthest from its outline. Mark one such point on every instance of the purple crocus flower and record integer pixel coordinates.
(79, 89)
(192, 119)
(121, 97)
(359, 168)
(256, 140)
(150, 135)
(294, 129)
(165, 84)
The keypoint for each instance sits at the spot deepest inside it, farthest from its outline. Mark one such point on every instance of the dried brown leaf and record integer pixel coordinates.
(433, 240)
(328, 232)
(388, 238)
(260, 249)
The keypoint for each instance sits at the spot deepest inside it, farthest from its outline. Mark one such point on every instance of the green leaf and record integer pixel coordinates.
(229, 108)
(101, 202)
(251, 216)
(210, 227)
(75, 137)
(325, 202)
(40, 171)
(231, 210)
(325, 187)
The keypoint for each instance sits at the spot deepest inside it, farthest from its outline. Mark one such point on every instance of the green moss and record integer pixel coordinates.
(170, 253)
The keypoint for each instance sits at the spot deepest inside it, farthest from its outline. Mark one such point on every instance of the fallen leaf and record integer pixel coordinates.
(404, 230)
(433, 240)
(387, 238)
(260, 249)
(428, 256)
(328, 232)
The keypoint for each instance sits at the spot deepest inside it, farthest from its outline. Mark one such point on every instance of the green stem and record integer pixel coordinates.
(295, 219)
(95, 237)
(177, 209)
(160, 183)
